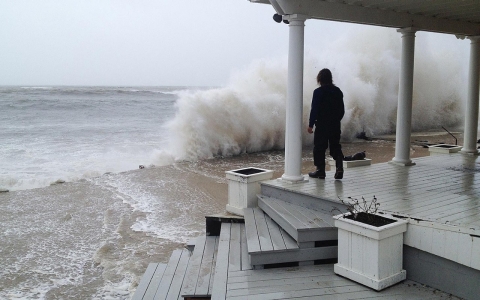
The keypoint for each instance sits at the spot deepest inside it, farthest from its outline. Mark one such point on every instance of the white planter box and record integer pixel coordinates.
(444, 149)
(243, 187)
(370, 255)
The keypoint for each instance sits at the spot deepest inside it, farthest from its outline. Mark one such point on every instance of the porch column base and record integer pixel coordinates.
(469, 152)
(294, 179)
(403, 163)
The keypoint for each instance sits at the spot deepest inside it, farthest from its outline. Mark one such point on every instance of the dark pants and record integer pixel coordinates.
(322, 140)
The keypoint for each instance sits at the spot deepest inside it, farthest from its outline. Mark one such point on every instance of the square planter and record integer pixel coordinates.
(243, 187)
(370, 255)
(444, 149)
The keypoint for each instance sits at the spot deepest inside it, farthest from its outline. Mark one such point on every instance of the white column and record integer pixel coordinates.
(471, 107)
(405, 92)
(294, 107)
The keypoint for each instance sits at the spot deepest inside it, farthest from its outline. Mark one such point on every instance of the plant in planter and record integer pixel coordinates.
(370, 246)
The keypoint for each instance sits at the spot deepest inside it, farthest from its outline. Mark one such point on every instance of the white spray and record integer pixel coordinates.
(248, 115)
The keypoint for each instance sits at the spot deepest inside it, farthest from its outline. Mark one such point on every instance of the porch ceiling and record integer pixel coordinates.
(460, 17)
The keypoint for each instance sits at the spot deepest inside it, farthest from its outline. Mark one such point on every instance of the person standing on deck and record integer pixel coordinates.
(326, 114)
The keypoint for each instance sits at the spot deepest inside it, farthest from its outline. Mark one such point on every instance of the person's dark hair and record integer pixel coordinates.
(324, 77)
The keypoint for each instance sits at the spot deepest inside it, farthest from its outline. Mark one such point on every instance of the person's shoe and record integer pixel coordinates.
(338, 173)
(317, 174)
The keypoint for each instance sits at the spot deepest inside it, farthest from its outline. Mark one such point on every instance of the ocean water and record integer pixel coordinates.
(70, 133)
(93, 236)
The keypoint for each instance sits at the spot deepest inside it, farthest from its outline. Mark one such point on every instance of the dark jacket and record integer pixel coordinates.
(327, 109)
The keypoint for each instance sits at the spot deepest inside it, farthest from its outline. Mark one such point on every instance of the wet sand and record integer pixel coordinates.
(379, 149)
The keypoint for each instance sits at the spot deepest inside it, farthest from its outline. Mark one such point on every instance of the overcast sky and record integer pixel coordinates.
(141, 42)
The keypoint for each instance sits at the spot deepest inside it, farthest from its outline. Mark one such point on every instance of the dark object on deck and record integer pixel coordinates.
(362, 135)
(356, 156)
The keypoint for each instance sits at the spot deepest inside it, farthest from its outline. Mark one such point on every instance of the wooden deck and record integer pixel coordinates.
(439, 196)
(234, 277)
(315, 282)
(442, 188)
(237, 281)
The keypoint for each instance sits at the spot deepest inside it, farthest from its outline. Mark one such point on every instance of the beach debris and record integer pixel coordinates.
(58, 181)
(2, 190)
(362, 135)
(356, 156)
(67, 217)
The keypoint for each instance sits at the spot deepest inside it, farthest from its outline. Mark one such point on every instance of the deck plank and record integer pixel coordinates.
(280, 273)
(234, 259)
(205, 273)
(214, 263)
(307, 279)
(251, 229)
(145, 281)
(309, 219)
(219, 289)
(156, 279)
(168, 275)
(246, 265)
(278, 240)
(288, 291)
(262, 231)
(174, 291)
(285, 214)
(193, 269)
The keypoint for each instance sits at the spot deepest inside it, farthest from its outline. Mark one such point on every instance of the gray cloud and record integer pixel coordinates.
(121, 42)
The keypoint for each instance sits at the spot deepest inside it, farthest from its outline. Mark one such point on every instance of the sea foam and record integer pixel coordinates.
(248, 115)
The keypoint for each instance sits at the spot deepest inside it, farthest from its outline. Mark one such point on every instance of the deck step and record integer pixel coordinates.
(302, 224)
(269, 244)
(232, 257)
(324, 197)
(164, 281)
(150, 280)
(198, 280)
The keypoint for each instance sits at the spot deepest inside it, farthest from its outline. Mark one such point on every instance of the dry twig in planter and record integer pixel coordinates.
(364, 207)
